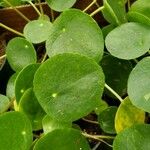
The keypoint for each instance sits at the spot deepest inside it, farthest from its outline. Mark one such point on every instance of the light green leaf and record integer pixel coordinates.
(128, 115)
(29, 105)
(76, 32)
(68, 86)
(60, 5)
(4, 103)
(15, 131)
(20, 53)
(37, 31)
(138, 85)
(133, 138)
(62, 139)
(128, 41)
(24, 80)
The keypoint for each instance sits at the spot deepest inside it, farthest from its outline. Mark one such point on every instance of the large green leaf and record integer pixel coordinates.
(68, 86)
(29, 105)
(140, 12)
(128, 41)
(133, 138)
(15, 131)
(114, 11)
(62, 139)
(60, 5)
(37, 31)
(20, 53)
(24, 80)
(128, 115)
(76, 32)
(139, 85)
(116, 73)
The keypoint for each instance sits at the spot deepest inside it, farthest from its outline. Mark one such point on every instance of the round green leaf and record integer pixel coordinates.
(138, 85)
(20, 53)
(140, 12)
(106, 119)
(133, 138)
(50, 124)
(4, 103)
(62, 139)
(68, 86)
(24, 80)
(60, 5)
(15, 131)
(29, 105)
(116, 73)
(128, 115)
(10, 90)
(107, 29)
(114, 11)
(128, 41)
(76, 32)
(37, 31)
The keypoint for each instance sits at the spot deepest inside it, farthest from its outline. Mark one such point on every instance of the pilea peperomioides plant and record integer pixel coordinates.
(83, 72)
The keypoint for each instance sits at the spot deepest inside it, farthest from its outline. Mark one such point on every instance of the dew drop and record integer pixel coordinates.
(23, 133)
(22, 91)
(64, 30)
(41, 24)
(54, 95)
(26, 46)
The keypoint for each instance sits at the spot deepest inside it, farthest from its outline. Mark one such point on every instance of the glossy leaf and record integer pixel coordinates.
(106, 119)
(15, 131)
(128, 115)
(24, 80)
(50, 124)
(72, 91)
(10, 90)
(138, 85)
(76, 32)
(140, 12)
(114, 11)
(128, 41)
(62, 139)
(20, 53)
(37, 31)
(4, 103)
(133, 138)
(60, 5)
(116, 73)
(29, 105)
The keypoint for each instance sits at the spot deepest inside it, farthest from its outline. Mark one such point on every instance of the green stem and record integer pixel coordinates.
(129, 4)
(113, 92)
(135, 60)
(44, 58)
(38, 12)
(41, 8)
(96, 146)
(52, 15)
(1, 57)
(19, 12)
(90, 5)
(10, 29)
(99, 137)
(90, 121)
(96, 11)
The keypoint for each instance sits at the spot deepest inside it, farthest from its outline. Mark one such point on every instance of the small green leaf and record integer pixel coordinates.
(128, 41)
(133, 138)
(24, 80)
(116, 73)
(12, 2)
(76, 32)
(10, 90)
(140, 12)
(62, 139)
(114, 11)
(139, 85)
(106, 119)
(4, 103)
(107, 29)
(50, 124)
(128, 115)
(60, 5)
(20, 53)
(72, 91)
(15, 131)
(37, 31)
(29, 105)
